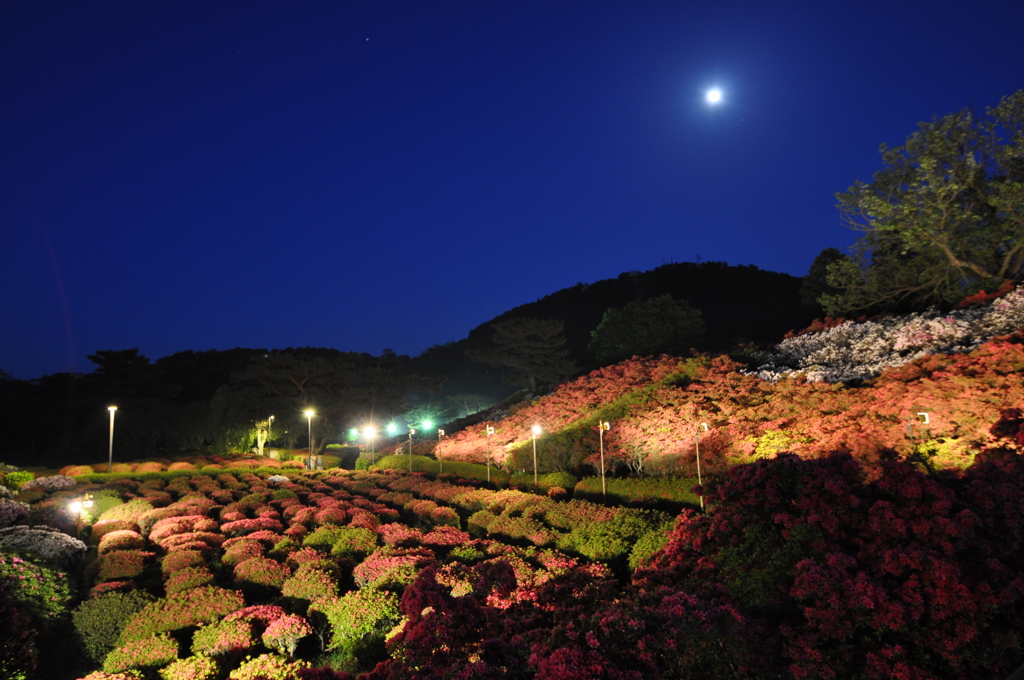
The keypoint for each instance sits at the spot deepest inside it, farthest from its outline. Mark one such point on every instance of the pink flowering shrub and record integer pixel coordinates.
(262, 571)
(263, 614)
(247, 526)
(101, 528)
(172, 526)
(283, 634)
(391, 567)
(330, 515)
(144, 653)
(190, 540)
(50, 484)
(77, 470)
(123, 539)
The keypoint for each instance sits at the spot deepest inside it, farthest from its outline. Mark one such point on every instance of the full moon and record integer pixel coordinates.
(714, 96)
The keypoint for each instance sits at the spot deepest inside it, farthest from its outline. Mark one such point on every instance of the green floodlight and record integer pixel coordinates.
(392, 429)
(428, 424)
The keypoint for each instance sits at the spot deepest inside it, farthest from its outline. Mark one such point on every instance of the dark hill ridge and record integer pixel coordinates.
(739, 303)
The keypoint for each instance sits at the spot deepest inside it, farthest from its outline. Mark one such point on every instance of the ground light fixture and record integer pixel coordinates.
(536, 433)
(309, 417)
(110, 453)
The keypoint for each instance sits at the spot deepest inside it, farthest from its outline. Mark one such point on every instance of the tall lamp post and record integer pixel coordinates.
(270, 427)
(309, 418)
(490, 431)
(440, 463)
(411, 433)
(369, 433)
(110, 452)
(601, 427)
(703, 427)
(536, 431)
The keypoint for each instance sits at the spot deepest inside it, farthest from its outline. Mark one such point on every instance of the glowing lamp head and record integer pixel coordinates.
(309, 414)
(428, 424)
(392, 429)
(369, 432)
(714, 96)
(536, 430)
(111, 408)
(75, 507)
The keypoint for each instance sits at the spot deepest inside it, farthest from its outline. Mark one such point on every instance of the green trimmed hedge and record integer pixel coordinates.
(432, 467)
(666, 493)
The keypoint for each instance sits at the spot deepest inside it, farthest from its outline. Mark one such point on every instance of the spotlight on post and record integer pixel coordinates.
(440, 463)
(703, 427)
(411, 433)
(490, 431)
(602, 427)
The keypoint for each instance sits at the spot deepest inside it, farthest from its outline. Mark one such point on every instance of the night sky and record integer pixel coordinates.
(370, 175)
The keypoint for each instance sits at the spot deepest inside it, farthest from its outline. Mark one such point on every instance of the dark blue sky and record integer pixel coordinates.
(370, 175)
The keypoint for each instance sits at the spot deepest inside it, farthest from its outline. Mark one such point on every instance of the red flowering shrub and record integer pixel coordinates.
(247, 526)
(263, 614)
(391, 568)
(906, 575)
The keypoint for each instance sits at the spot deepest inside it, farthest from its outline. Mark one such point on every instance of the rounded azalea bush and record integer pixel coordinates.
(187, 578)
(226, 638)
(268, 667)
(120, 539)
(192, 668)
(262, 571)
(150, 652)
(182, 610)
(181, 559)
(121, 564)
(284, 633)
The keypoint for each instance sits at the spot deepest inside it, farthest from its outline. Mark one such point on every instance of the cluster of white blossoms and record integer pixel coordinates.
(49, 484)
(11, 511)
(856, 351)
(48, 543)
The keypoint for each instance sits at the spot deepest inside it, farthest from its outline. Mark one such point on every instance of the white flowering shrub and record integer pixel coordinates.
(45, 542)
(857, 351)
(50, 484)
(12, 511)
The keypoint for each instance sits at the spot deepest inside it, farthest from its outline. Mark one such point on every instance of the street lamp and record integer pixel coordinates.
(309, 417)
(536, 431)
(490, 431)
(701, 427)
(411, 433)
(369, 433)
(601, 427)
(270, 426)
(440, 463)
(110, 464)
